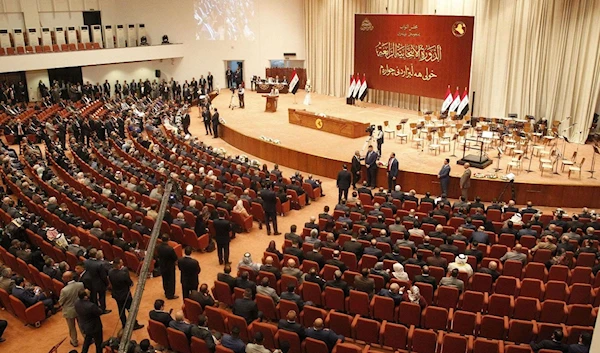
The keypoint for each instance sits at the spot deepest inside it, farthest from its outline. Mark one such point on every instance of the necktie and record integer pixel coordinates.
(390, 164)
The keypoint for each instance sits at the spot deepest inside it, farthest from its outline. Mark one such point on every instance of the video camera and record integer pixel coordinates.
(370, 129)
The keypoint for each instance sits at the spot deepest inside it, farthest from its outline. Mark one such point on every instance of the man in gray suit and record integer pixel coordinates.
(453, 281)
(292, 270)
(444, 176)
(68, 296)
(465, 181)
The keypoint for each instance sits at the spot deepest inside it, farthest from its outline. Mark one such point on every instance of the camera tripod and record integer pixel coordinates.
(513, 192)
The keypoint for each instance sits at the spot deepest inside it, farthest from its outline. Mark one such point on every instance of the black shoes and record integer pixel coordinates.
(173, 297)
(137, 326)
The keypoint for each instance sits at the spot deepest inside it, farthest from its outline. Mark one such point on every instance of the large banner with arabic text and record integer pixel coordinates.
(415, 54)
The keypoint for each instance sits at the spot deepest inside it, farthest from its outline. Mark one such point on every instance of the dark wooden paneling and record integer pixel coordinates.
(539, 194)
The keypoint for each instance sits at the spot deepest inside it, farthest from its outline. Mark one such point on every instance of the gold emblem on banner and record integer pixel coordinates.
(319, 123)
(366, 25)
(459, 28)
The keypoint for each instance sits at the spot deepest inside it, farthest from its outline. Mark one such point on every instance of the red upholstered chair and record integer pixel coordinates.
(535, 270)
(473, 302)
(517, 349)
(191, 310)
(291, 338)
(367, 261)
(493, 327)
(554, 311)
(545, 330)
(542, 256)
(573, 333)
(581, 274)
(267, 306)
(244, 222)
(268, 330)
(501, 305)
(580, 293)
(346, 348)
(198, 345)
(382, 308)
(33, 315)
(158, 333)
(216, 318)
(580, 315)
(358, 303)
(334, 299)
(422, 341)
(453, 343)
(521, 331)
(311, 345)
(435, 318)
(497, 251)
(234, 320)
(447, 297)
(586, 260)
(285, 306)
(258, 213)
(310, 313)
(426, 291)
(365, 330)
(222, 293)
(409, 314)
(481, 282)
(349, 259)
(557, 290)
(340, 323)
(312, 292)
(532, 288)
(178, 341)
(483, 345)
(507, 285)
(526, 308)
(465, 323)
(559, 273)
(270, 276)
(393, 336)
(512, 268)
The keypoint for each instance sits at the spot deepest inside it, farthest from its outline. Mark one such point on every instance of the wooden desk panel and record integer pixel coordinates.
(539, 194)
(342, 127)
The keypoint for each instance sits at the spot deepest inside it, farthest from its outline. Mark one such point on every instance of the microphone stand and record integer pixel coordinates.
(596, 151)
(498, 162)
(530, 159)
(556, 166)
(455, 138)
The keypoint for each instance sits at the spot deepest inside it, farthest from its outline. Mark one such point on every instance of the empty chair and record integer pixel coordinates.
(532, 288)
(501, 305)
(409, 314)
(483, 345)
(435, 318)
(311, 345)
(512, 268)
(365, 330)
(553, 311)
(581, 275)
(393, 336)
(346, 348)
(464, 322)
(473, 301)
(580, 315)
(447, 297)
(339, 323)
(334, 299)
(586, 260)
(191, 310)
(507, 285)
(312, 292)
(542, 256)
(481, 282)
(521, 331)
(423, 341)
(198, 345)
(453, 343)
(559, 273)
(383, 308)
(535, 270)
(580, 293)
(358, 303)
(291, 338)
(526, 308)
(158, 333)
(493, 327)
(511, 348)
(557, 290)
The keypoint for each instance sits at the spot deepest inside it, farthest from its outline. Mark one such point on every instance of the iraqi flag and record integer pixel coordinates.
(463, 107)
(455, 102)
(294, 83)
(357, 87)
(447, 101)
(362, 92)
(351, 87)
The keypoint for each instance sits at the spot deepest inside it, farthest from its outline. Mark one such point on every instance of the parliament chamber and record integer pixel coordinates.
(302, 176)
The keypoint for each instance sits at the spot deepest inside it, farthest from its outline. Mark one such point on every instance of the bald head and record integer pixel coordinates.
(318, 324)
(269, 260)
(291, 316)
(493, 265)
(291, 263)
(179, 316)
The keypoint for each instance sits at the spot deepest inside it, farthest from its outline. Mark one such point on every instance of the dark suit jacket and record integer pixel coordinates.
(222, 231)
(229, 279)
(339, 284)
(190, 269)
(549, 344)
(205, 335)
(270, 200)
(356, 165)
(203, 300)
(121, 283)
(427, 279)
(88, 315)
(325, 335)
(362, 284)
(246, 308)
(97, 272)
(393, 170)
(353, 247)
(166, 256)
(292, 327)
(316, 257)
(161, 316)
(26, 296)
(371, 159)
(337, 263)
(272, 269)
(344, 179)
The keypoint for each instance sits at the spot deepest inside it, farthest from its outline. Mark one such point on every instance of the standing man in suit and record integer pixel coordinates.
(241, 96)
(392, 171)
(371, 163)
(215, 123)
(89, 321)
(465, 182)
(98, 279)
(207, 120)
(223, 229)
(209, 79)
(68, 296)
(121, 283)
(167, 258)
(270, 204)
(444, 176)
(355, 169)
(344, 179)
(185, 122)
(190, 270)
(229, 77)
(379, 139)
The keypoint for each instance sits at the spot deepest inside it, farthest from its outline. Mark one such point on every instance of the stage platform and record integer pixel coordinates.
(323, 153)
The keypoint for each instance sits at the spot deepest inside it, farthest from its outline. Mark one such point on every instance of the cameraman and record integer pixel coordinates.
(241, 95)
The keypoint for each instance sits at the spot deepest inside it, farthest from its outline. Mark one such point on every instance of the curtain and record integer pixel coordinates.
(535, 57)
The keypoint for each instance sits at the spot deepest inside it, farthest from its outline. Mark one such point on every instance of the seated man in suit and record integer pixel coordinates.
(453, 281)
(555, 343)
(268, 267)
(202, 296)
(226, 276)
(264, 289)
(291, 270)
(363, 283)
(246, 307)
(159, 314)
(290, 324)
(338, 282)
(424, 277)
(180, 324)
(203, 332)
(320, 333)
(180, 221)
(393, 293)
(292, 296)
(31, 295)
(245, 283)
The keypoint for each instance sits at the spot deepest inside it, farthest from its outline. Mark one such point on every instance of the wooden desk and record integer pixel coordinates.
(271, 103)
(342, 127)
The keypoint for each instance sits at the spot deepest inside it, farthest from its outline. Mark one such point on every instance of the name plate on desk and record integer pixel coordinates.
(342, 127)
